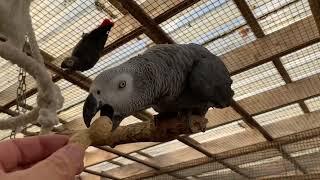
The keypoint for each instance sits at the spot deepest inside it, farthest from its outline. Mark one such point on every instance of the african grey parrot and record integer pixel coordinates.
(176, 80)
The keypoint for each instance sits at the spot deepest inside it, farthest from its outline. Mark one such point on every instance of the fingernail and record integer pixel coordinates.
(75, 152)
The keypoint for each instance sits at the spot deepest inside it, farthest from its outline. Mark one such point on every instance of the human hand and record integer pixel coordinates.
(46, 157)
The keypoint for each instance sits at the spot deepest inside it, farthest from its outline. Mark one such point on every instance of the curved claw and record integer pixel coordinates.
(203, 129)
(3, 38)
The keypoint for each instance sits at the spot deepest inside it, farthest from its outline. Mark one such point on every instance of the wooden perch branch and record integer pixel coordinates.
(99, 133)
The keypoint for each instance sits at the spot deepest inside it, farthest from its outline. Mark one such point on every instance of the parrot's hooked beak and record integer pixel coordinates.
(91, 107)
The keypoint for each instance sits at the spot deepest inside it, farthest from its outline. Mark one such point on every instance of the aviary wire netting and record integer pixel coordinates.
(270, 47)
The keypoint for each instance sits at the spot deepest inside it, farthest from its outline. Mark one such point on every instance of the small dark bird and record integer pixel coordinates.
(88, 50)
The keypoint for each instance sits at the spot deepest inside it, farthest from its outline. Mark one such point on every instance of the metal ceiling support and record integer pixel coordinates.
(117, 157)
(30, 92)
(121, 41)
(289, 139)
(285, 76)
(159, 36)
(100, 174)
(84, 82)
(161, 18)
(286, 104)
(74, 77)
(181, 6)
(250, 121)
(315, 8)
(177, 176)
(297, 177)
(116, 162)
(287, 156)
(76, 74)
(140, 30)
(258, 32)
(153, 30)
(119, 153)
(197, 146)
(146, 163)
(118, 5)
(143, 154)
(249, 17)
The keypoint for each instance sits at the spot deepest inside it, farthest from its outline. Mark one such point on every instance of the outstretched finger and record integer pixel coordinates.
(20, 152)
(63, 164)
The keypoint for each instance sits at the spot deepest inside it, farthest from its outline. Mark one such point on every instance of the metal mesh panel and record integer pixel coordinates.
(256, 80)
(219, 132)
(262, 161)
(120, 55)
(72, 113)
(104, 166)
(217, 25)
(279, 100)
(313, 103)
(161, 177)
(126, 161)
(71, 93)
(278, 114)
(220, 174)
(273, 15)
(303, 63)
(306, 154)
(165, 148)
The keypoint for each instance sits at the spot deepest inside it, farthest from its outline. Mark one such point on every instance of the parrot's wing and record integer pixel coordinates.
(78, 48)
(210, 81)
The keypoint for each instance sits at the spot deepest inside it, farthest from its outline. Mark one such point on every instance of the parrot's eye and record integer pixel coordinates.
(98, 92)
(122, 84)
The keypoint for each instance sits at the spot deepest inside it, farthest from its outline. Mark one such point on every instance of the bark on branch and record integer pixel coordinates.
(99, 133)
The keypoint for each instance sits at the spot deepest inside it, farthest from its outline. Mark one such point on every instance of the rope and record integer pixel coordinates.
(21, 90)
(49, 97)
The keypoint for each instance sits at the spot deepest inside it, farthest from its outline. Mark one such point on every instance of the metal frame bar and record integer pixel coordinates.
(258, 32)
(111, 159)
(30, 92)
(315, 8)
(119, 153)
(197, 146)
(100, 174)
(293, 102)
(160, 37)
(292, 138)
(149, 23)
(152, 29)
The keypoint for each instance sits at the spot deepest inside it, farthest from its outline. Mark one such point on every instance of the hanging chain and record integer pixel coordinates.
(21, 90)
(21, 97)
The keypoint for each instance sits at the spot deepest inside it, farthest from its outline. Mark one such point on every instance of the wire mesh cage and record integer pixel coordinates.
(270, 47)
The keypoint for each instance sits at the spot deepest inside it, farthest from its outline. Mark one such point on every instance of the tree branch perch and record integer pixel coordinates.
(99, 133)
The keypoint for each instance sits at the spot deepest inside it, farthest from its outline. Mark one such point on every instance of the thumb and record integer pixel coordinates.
(64, 164)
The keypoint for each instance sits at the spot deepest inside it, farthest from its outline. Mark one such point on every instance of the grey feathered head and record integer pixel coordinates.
(117, 93)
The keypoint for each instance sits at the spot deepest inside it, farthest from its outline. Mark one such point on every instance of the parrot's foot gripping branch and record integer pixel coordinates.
(100, 134)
